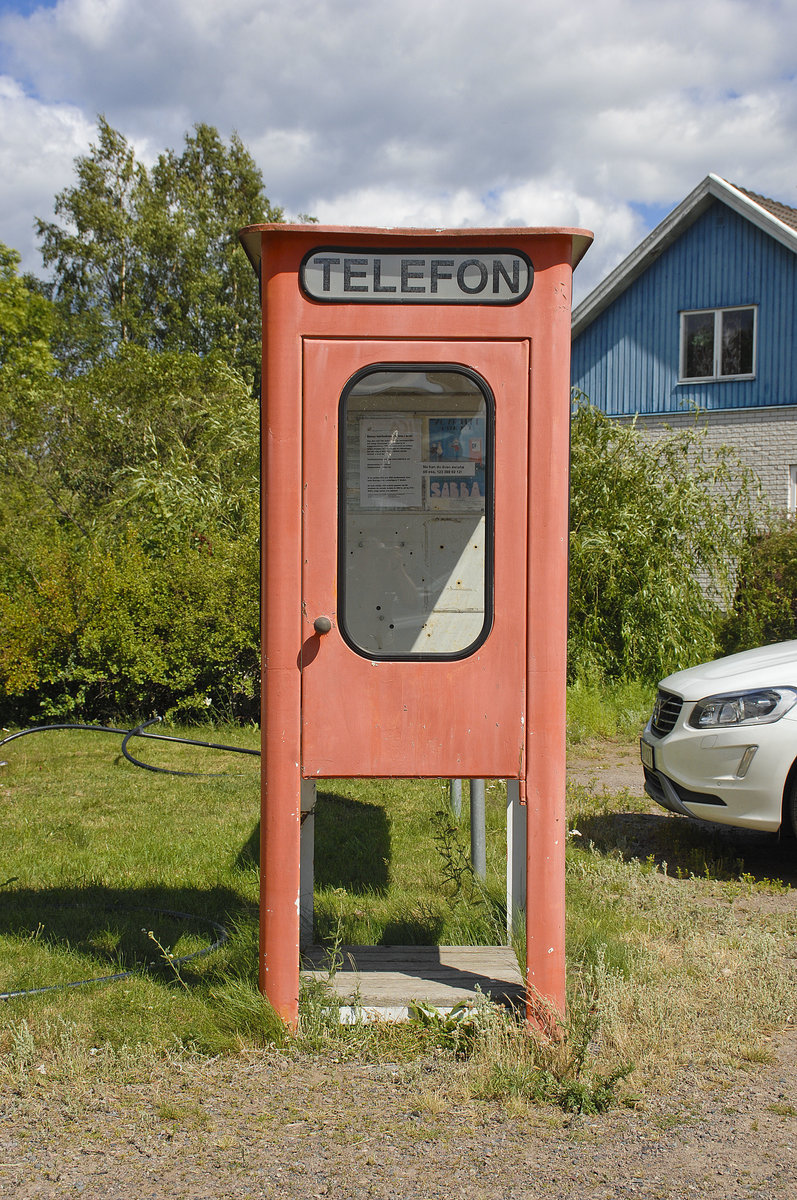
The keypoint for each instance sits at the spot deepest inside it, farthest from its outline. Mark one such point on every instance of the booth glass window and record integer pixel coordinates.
(416, 534)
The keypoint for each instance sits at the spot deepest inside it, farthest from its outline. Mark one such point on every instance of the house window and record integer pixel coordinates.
(718, 343)
(792, 503)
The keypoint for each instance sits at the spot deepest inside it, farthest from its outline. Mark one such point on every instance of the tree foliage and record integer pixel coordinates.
(206, 294)
(167, 442)
(151, 257)
(657, 529)
(99, 278)
(26, 321)
(27, 370)
(765, 602)
(129, 480)
(129, 566)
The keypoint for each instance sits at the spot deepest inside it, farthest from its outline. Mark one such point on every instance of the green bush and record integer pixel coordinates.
(99, 634)
(765, 604)
(657, 527)
(129, 547)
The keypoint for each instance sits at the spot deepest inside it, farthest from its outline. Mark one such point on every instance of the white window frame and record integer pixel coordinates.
(716, 377)
(791, 507)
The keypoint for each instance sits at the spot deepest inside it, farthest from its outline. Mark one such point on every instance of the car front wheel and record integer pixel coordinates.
(789, 825)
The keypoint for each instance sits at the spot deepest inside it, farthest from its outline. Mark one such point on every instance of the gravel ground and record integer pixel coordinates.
(273, 1125)
(269, 1126)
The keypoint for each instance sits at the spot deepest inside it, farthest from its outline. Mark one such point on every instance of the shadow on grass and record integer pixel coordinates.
(413, 931)
(694, 848)
(352, 845)
(109, 930)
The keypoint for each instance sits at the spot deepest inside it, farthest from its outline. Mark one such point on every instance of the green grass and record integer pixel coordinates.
(617, 709)
(679, 950)
(98, 855)
(382, 848)
(680, 961)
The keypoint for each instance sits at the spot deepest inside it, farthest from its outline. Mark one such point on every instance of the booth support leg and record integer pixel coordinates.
(280, 841)
(545, 900)
(307, 863)
(478, 829)
(515, 858)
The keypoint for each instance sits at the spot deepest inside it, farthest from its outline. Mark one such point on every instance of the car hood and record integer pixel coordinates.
(768, 666)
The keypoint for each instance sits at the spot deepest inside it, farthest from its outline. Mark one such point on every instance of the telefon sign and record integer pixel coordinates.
(343, 276)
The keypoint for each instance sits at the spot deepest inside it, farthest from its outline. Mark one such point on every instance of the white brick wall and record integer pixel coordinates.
(764, 438)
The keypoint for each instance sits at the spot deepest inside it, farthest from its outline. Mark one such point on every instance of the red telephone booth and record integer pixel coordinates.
(415, 502)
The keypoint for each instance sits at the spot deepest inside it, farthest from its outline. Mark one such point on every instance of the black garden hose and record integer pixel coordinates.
(176, 963)
(138, 731)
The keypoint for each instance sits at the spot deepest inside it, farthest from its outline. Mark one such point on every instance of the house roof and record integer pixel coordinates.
(781, 211)
(778, 220)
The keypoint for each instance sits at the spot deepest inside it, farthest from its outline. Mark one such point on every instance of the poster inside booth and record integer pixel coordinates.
(455, 468)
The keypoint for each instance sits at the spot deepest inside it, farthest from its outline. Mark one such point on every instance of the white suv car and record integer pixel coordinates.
(722, 742)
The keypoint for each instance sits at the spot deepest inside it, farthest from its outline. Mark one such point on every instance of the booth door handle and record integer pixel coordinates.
(322, 625)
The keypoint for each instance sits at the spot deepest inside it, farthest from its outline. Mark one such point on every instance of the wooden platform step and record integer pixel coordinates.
(383, 982)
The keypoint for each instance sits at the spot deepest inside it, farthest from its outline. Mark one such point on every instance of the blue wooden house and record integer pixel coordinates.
(703, 313)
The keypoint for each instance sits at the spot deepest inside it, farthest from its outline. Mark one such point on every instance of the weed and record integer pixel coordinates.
(510, 1061)
(319, 1006)
(186, 1116)
(782, 1110)
(456, 868)
(754, 1052)
(22, 1054)
(334, 954)
(774, 887)
(459, 1028)
(168, 958)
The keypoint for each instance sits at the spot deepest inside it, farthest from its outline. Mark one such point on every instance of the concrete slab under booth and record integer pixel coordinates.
(385, 982)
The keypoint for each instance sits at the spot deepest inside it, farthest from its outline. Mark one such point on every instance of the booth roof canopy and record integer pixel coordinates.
(250, 237)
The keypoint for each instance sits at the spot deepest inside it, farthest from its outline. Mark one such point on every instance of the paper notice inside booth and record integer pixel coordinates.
(390, 462)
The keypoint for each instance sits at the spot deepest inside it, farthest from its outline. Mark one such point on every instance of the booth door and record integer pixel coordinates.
(415, 511)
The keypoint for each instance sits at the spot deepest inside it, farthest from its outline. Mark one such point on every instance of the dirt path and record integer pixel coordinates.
(270, 1125)
(610, 767)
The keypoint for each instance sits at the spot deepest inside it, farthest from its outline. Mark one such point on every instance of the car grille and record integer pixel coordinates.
(665, 713)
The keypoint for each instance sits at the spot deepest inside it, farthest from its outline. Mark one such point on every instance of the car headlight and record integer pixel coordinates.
(759, 707)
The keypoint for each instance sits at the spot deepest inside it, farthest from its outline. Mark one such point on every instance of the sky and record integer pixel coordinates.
(600, 114)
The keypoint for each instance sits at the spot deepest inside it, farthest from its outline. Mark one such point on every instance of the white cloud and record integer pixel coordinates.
(529, 204)
(421, 112)
(37, 147)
